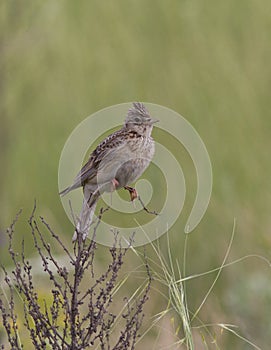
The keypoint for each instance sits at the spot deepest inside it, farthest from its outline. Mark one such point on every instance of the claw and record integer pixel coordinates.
(132, 191)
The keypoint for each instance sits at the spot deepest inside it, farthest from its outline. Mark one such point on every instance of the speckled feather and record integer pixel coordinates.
(116, 162)
(111, 147)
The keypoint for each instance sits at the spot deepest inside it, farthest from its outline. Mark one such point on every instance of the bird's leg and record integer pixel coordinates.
(114, 185)
(132, 191)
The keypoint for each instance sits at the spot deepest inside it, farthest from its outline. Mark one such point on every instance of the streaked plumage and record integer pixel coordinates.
(118, 160)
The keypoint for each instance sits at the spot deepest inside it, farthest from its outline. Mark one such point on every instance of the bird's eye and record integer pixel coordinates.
(137, 120)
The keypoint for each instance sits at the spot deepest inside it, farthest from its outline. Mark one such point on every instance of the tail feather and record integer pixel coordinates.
(84, 221)
(86, 215)
(68, 189)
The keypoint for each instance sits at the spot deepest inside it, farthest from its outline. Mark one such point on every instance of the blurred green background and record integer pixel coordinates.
(61, 61)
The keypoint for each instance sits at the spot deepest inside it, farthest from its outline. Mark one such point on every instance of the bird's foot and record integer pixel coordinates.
(132, 191)
(134, 195)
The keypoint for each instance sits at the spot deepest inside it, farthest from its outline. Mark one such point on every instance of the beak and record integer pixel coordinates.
(152, 121)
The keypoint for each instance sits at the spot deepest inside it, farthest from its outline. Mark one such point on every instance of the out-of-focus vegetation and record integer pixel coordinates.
(210, 61)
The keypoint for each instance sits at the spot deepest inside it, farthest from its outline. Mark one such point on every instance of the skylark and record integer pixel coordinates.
(119, 160)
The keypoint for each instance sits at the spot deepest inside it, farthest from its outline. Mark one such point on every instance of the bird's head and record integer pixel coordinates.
(139, 119)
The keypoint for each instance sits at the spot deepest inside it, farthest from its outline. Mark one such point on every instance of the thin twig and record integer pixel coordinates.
(146, 209)
(75, 315)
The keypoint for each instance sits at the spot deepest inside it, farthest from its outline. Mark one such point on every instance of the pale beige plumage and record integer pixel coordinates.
(118, 160)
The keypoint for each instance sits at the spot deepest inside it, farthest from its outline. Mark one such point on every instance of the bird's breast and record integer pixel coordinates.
(147, 148)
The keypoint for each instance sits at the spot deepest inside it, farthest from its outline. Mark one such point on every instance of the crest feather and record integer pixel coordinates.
(138, 109)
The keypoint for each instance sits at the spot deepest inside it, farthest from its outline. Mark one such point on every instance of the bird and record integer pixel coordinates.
(118, 161)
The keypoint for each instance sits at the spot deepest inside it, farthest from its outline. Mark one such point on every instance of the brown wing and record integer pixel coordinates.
(112, 144)
(89, 170)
